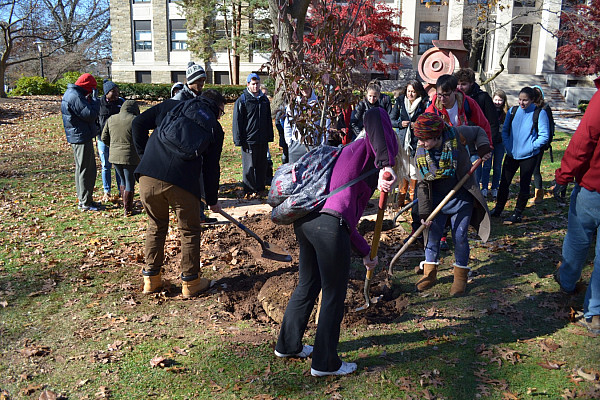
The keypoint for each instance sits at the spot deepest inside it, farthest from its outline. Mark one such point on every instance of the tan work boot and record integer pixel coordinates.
(195, 287)
(461, 275)
(429, 276)
(538, 197)
(402, 189)
(152, 283)
(411, 189)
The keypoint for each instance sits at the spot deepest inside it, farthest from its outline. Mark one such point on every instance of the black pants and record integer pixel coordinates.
(537, 173)
(324, 264)
(254, 167)
(509, 169)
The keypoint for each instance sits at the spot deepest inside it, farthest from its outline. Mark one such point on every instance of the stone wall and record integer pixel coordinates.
(121, 31)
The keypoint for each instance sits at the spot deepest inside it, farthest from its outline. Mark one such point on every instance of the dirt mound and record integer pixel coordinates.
(253, 288)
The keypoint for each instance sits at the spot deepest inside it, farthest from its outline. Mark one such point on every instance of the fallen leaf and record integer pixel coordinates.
(160, 361)
(549, 345)
(509, 396)
(180, 351)
(38, 351)
(550, 365)
(588, 376)
(30, 389)
(47, 395)
(4, 303)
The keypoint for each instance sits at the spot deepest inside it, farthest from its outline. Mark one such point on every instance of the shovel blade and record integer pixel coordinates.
(274, 253)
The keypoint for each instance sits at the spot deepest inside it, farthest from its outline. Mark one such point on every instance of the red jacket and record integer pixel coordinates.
(581, 160)
(477, 116)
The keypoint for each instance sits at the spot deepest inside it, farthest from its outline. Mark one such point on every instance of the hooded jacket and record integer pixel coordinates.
(520, 141)
(480, 219)
(160, 163)
(108, 108)
(485, 102)
(80, 115)
(185, 94)
(252, 123)
(377, 149)
(476, 118)
(356, 123)
(117, 135)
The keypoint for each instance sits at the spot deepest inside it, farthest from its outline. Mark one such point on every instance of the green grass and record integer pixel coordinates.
(68, 279)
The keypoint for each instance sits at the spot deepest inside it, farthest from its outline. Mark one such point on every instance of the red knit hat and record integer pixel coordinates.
(87, 82)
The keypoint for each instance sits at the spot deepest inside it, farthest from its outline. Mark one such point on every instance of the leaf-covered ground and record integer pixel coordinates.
(74, 324)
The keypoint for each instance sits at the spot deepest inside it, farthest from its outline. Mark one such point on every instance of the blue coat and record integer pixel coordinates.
(80, 115)
(519, 139)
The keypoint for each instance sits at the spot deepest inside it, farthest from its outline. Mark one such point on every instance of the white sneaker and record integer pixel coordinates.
(345, 369)
(306, 351)
(484, 192)
(494, 193)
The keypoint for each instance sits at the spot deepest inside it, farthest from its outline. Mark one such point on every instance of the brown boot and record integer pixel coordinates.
(411, 189)
(539, 196)
(461, 275)
(402, 189)
(127, 203)
(152, 283)
(429, 276)
(195, 287)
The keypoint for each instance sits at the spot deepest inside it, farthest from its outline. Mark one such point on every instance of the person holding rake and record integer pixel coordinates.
(442, 158)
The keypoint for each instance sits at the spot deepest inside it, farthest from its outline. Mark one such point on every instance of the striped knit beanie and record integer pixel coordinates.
(428, 126)
(194, 72)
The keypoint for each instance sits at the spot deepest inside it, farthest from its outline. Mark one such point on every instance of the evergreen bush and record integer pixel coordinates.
(33, 85)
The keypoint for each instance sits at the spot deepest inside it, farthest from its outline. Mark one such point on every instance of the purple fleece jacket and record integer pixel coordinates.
(377, 150)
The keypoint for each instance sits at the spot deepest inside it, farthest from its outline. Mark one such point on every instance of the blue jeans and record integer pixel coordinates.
(125, 173)
(460, 228)
(106, 166)
(493, 164)
(584, 221)
(478, 171)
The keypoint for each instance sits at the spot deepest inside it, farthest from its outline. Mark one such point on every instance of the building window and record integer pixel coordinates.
(524, 3)
(431, 2)
(143, 35)
(177, 76)
(140, 1)
(428, 31)
(178, 34)
(143, 77)
(521, 48)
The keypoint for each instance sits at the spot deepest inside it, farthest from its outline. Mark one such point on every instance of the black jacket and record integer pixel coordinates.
(252, 122)
(484, 100)
(159, 163)
(108, 108)
(356, 123)
(399, 114)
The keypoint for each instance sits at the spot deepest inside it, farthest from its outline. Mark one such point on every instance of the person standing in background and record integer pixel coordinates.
(252, 131)
(110, 104)
(80, 108)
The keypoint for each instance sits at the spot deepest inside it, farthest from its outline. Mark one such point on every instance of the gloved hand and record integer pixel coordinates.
(384, 185)
(370, 264)
(245, 146)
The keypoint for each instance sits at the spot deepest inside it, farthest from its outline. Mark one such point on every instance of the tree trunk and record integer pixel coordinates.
(235, 69)
(2, 72)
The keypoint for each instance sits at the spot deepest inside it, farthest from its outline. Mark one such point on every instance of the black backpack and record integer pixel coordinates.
(536, 117)
(187, 130)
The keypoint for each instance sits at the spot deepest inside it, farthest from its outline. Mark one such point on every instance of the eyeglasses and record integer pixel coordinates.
(446, 95)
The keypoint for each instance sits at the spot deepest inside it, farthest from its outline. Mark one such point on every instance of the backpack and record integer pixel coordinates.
(536, 117)
(299, 188)
(187, 130)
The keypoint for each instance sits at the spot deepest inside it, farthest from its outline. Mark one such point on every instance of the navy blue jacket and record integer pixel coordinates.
(160, 163)
(80, 115)
(252, 123)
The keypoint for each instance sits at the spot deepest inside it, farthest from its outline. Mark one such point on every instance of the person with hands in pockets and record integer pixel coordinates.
(442, 160)
(325, 238)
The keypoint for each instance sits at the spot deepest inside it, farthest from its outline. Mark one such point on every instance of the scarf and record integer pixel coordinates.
(446, 167)
(410, 109)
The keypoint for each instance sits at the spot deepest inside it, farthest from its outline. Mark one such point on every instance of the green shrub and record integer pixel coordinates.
(582, 106)
(68, 77)
(33, 85)
(161, 91)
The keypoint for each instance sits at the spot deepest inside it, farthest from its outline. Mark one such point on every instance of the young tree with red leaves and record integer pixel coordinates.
(372, 34)
(580, 29)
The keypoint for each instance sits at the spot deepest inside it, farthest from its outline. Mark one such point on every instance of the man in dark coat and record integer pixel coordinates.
(80, 108)
(466, 83)
(252, 131)
(110, 104)
(168, 180)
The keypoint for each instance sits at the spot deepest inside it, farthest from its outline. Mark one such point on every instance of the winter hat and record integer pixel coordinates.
(428, 126)
(176, 86)
(87, 82)
(252, 76)
(194, 72)
(108, 86)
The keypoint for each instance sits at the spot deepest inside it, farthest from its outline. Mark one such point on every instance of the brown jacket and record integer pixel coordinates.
(480, 218)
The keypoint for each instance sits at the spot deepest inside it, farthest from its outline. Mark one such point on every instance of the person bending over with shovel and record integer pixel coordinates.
(442, 161)
(325, 238)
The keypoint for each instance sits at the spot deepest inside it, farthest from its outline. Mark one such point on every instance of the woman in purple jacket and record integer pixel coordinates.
(325, 238)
